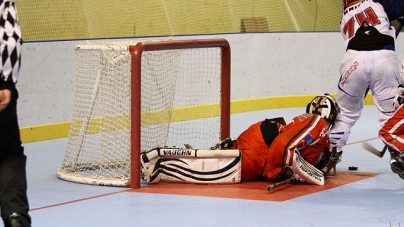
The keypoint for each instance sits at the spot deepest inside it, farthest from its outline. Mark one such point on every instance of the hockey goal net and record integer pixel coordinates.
(132, 96)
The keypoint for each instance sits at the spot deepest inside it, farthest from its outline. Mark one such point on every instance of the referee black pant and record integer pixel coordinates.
(13, 181)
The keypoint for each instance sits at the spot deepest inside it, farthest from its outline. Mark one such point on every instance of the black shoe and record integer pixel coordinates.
(16, 220)
(393, 161)
(397, 164)
(394, 167)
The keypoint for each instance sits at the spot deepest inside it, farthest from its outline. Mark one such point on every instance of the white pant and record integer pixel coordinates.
(376, 70)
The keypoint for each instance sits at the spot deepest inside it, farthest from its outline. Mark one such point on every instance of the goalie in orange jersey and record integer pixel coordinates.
(265, 153)
(268, 149)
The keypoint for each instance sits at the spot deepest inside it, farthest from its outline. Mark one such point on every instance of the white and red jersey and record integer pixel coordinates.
(367, 11)
(377, 13)
(367, 69)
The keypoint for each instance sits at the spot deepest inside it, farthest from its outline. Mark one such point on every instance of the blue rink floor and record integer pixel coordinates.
(375, 201)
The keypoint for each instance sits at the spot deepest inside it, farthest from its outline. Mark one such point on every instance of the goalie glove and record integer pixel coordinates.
(329, 160)
(400, 95)
(402, 72)
(285, 173)
(224, 144)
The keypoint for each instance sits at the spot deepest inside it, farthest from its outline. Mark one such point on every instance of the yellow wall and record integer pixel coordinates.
(61, 19)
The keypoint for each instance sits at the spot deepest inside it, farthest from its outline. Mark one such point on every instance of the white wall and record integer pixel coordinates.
(270, 64)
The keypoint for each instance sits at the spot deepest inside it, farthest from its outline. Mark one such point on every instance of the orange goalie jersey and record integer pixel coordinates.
(308, 133)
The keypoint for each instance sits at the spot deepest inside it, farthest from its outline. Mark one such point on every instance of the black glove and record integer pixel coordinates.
(329, 160)
(224, 144)
(285, 173)
(400, 98)
(400, 20)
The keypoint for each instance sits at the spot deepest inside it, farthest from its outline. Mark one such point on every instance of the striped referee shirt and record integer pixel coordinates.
(10, 47)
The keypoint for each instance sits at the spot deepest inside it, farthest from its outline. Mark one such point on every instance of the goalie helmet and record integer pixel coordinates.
(325, 106)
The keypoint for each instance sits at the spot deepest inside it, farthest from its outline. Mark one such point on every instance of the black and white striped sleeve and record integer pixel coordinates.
(11, 42)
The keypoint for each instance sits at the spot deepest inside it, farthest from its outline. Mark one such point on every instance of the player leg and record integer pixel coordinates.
(13, 183)
(350, 110)
(201, 170)
(191, 166)
(397, 163)
(385, 93)
(351, 90)
(13, 189)
(150, 161)
(392, 134)
(393, 161)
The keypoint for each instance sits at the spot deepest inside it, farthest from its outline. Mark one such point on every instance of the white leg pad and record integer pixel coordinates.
(201, 170)
(191, 166)
(149, 172)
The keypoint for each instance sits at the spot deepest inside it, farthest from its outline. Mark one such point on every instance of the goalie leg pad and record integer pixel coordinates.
(306, 171)
(149, 170)
(191, 166)
(201, 170)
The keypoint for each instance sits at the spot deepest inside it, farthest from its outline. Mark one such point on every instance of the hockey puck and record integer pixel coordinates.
(353, 168)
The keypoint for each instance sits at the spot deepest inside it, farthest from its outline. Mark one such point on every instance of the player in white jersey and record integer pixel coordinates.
(369, 63)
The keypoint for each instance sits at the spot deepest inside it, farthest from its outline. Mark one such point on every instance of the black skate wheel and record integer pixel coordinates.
(353, 168)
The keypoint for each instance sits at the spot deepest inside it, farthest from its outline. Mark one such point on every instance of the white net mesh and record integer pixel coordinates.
(180, 104)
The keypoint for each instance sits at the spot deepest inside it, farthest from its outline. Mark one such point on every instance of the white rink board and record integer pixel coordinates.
(263, 65)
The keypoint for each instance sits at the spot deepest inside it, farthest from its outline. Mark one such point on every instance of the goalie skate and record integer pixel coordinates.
(393, 161)
(397, 163)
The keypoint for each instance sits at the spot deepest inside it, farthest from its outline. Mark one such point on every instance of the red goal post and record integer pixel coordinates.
(136, 52)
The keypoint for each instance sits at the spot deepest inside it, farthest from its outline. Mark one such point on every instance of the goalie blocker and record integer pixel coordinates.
(209, 166)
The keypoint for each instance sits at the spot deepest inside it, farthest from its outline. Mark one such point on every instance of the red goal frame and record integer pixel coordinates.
(136, 57)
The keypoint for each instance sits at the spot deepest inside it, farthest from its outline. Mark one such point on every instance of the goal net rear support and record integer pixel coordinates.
(132, 96)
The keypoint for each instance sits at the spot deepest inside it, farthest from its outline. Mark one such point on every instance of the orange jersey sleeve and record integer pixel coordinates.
(308, 133)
